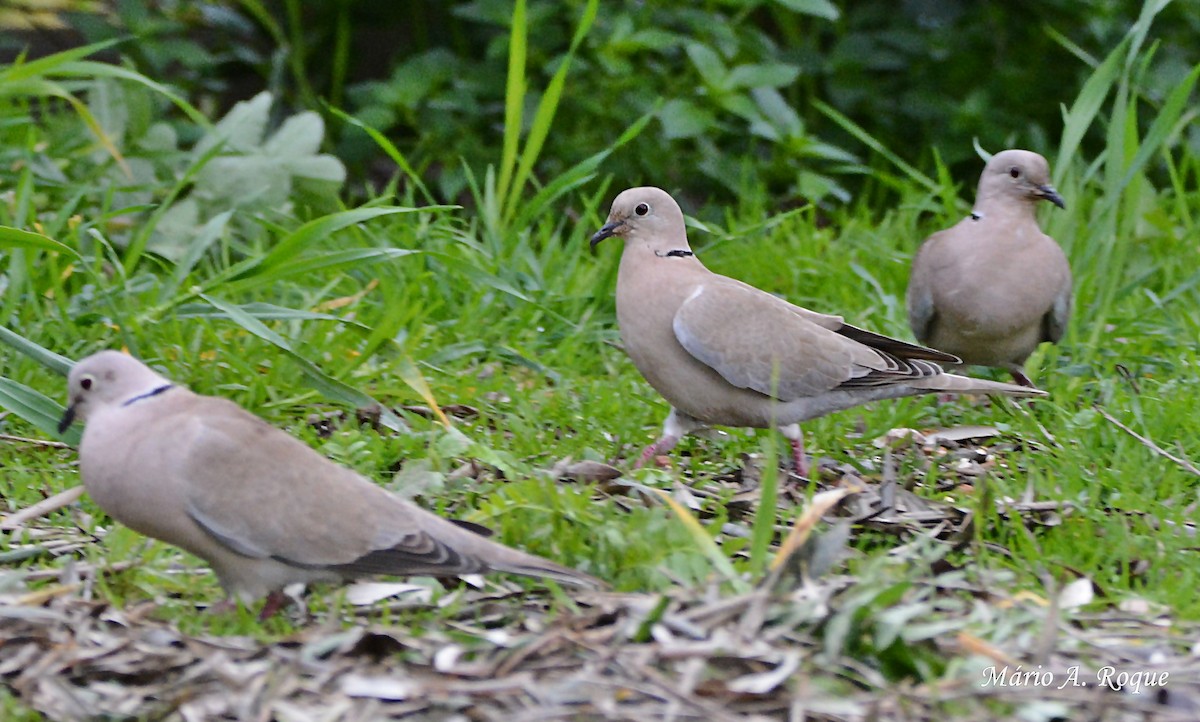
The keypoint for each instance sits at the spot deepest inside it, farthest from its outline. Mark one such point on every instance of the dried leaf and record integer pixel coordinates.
(765, 682)
(585, 471)
(378, 687)
(362, 594)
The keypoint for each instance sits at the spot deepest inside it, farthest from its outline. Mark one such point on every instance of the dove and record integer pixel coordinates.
(262, 508)
(992, 287)
(724, 353)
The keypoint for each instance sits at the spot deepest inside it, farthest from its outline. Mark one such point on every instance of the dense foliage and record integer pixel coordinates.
(744, 93)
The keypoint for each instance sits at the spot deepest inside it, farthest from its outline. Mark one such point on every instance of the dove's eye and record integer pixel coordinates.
(86, 383)
(642, 209)
(1015, 172)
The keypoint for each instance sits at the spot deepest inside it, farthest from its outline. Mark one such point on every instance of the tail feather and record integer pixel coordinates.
(549, 570)
(502, 558)
(955, 383)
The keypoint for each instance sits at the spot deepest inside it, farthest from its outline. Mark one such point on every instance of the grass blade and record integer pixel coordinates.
(705, 542)
(44, 356)
(318, 379)
(16, 238)
(544, 116)
(312, 264)
(1164, 125)
(868, 140)
(514, 97)
(1078, 119)
(388, 147)
(207, 235)
(315, 230)
(411, 375)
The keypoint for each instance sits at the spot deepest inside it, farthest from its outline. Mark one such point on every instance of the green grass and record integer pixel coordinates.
(304, 309)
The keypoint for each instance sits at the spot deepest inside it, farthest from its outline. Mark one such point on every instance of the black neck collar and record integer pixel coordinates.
(148, 394)
(674, 253)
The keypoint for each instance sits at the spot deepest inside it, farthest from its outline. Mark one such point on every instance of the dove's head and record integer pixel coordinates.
(105, 379)
(646, 215)
(1019, 174)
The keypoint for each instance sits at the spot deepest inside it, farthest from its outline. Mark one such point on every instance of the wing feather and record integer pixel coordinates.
(757, 341)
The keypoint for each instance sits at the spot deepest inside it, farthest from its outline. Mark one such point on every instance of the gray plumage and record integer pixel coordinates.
(993, 286)
(264, 509)
(725, 353)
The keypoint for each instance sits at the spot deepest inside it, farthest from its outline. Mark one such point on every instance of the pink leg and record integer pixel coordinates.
(799, 458)
(275, 601)
(796, 437)
(662, 446)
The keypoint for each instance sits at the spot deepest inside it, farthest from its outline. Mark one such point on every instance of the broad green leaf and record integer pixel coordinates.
(777, 111)
(682, 118)
(772, 75)
(300, 134)
(40, 411)
(709, 64)
(819, 8)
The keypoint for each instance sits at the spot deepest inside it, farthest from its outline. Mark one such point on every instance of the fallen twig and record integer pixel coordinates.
(43, 507)
(36, 442)
(1148, 443)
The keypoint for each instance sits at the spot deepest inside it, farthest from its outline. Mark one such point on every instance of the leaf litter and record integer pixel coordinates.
(907, 636)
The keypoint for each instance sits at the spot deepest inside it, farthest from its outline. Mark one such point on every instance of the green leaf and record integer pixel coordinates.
(208, 235)
(771, 75)
(819, 8)
(777, 112)
(858, 132)
(50, 63)
(1164, 125)
(33, 407)
(684, 119)
(709, 64)
(92, 69)
(17, 238)
(265, 312)
(389, 148)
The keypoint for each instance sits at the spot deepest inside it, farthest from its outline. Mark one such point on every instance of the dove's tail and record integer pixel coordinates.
(953, 383)
(536, 567)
